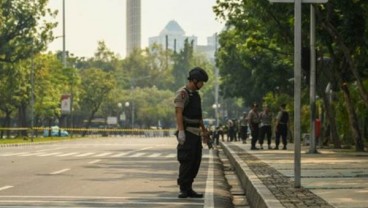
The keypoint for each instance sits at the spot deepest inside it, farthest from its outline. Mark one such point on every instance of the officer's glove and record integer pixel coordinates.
(181, 137)
(205, 137)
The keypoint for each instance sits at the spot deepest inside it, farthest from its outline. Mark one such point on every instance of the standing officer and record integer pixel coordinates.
(266, 129)
(253, 118)
(282, 126)
(244, 128)
(188, 112)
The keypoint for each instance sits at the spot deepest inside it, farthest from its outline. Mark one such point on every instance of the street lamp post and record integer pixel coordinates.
(216, 107)
(127, 104)
(64, 52)
(297, 80)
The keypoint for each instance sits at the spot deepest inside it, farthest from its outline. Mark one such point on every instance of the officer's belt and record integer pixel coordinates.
(194, 130)
(191, 121)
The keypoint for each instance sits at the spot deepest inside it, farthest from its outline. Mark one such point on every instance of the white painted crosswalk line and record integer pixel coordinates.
(48, 154)
(120, 154)
(103, 154)
(5, 187)
(13, 154)
(59, 171)
(171, 155)
(155, 155)
(85, 154)
(67, 154)
(29, 154)
(138, 154)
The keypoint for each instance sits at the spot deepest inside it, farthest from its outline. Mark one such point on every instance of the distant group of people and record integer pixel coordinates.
(258, 124)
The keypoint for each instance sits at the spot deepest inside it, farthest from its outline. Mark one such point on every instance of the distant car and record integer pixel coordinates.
(55, 132)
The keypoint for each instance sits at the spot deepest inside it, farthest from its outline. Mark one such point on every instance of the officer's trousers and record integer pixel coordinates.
(281, 131)
(265, 131)
(255, 134)
(189, 156)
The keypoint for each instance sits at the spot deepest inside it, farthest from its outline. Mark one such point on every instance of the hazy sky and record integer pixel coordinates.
(88, 21)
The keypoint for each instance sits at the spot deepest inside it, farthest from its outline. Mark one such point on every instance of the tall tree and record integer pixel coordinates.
(96, 86)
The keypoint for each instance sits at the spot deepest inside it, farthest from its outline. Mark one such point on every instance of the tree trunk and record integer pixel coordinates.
(353, 119)
(333, 135)
(89, 121)
(330, 28)
(22, 119)
(6, 124)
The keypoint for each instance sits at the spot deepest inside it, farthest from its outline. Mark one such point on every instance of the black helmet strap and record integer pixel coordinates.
(196, 83)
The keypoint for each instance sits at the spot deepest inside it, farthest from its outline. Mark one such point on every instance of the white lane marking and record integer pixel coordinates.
(209, 201)
(60, 171)
(68, 154)
(137, 154)
(5, 187)
(13, 154)
(85, 154)
(171, 155)
(120, 154)
(29, 154)
(190, 203)
(154, 155)
(48, 154)
(92, 197)
(94, 161)
(130, 152)
(103, 154)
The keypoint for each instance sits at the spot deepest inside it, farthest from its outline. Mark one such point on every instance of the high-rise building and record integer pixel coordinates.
(173, 37)
(133, 24)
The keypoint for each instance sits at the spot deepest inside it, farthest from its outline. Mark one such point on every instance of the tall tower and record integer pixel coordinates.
(133, 24)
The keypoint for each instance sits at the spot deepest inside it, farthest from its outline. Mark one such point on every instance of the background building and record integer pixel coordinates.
(173, 37)
(133, 24)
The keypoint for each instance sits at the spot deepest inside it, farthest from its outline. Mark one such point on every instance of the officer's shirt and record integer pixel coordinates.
(182, 99)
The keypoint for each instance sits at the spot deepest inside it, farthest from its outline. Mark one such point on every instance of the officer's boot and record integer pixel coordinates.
(184, 191)
(193, 194)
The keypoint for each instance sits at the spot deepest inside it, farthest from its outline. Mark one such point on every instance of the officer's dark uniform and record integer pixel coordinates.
(281, 128)
(190, 153)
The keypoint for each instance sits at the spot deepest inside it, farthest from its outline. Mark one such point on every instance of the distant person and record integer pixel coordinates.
(282, 120)
(253, 119)
(230, 130)
(221, 132)
(266, 128)
(189, 121)
(244, 128)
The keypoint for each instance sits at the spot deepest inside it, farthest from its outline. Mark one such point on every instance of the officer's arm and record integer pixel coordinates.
(205, 134)
(179, 118)
(204, 129)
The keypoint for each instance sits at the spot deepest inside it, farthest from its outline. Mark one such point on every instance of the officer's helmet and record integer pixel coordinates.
(198, 74)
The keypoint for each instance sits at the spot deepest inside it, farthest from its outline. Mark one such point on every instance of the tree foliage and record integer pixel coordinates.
(255, 57)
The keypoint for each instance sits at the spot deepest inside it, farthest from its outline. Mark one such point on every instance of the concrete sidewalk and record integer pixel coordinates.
(329, 179)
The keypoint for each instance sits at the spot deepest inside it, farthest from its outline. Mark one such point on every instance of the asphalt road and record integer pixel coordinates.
(101, 172)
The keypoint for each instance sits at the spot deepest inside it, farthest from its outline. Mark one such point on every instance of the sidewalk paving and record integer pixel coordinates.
(332, 178)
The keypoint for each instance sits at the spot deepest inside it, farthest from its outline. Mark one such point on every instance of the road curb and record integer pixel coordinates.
(257, 193)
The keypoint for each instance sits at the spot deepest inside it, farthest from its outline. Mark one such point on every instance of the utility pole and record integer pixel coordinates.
(312, 91)
(216, 86)
(64, 52)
